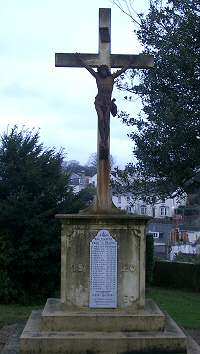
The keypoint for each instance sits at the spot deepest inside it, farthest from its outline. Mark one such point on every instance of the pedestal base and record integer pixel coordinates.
(55, 331)
(71, 326)
(56, 317)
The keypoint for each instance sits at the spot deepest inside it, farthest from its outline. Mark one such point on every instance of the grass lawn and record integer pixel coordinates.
(182, 306)
(13, 313)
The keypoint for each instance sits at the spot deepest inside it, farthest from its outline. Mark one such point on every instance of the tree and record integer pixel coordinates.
(92, 161)
(73, 166)
(33, 188)
(89, 169)
(167, 139)
(85, 197)
(189, 258)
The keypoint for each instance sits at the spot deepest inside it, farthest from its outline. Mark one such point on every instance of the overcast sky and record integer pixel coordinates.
(59, 101)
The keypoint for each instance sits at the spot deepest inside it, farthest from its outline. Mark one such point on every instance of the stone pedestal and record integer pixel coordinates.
(70, 325)
(77, 233)
(57, 330)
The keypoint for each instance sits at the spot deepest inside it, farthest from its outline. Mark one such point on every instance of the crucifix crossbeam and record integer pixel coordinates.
(103, 101)
(104, 56)
(140, 61)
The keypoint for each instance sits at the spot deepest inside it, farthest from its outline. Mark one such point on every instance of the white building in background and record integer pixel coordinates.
(161, 209)
(193, 235)
(184, 249)
(94, 180)
(79, 181)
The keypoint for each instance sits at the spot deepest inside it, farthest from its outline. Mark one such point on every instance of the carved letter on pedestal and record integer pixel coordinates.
(103, 271)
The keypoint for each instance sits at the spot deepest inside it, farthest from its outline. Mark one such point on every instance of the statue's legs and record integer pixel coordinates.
(103, 113)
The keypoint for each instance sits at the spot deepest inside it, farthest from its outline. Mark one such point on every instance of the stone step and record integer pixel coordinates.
(55, 317)
(33, 340)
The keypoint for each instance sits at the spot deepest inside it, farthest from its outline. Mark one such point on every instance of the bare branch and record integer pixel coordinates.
(132, 8)
(127, 9)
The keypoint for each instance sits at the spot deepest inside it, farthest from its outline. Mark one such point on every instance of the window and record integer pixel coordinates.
(128, 199)
(119, 199)
(143, 209)
(153, 212)
(163, 211)
(155, 234)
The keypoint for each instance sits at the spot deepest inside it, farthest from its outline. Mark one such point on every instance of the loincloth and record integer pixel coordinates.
(102, 101)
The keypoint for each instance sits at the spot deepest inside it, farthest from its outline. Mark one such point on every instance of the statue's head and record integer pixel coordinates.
(103, 71)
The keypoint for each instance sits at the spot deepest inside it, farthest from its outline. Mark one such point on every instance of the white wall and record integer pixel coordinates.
(159, 210)
(193, 236)
(188, 249)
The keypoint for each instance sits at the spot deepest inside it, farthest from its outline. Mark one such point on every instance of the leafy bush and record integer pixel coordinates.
(177, 275)
(189, 258)
(33, 188)
(149, 259)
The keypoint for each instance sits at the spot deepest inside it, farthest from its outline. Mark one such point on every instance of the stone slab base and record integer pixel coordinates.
(33, 340)
(57, 317)
(192, 346)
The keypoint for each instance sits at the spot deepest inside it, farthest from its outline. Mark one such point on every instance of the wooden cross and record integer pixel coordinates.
(103, 202)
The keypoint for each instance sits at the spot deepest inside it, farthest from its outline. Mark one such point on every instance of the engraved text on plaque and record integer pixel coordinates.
(103, 271)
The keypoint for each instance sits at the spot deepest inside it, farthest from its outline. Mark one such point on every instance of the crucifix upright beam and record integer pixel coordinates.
(103, 202)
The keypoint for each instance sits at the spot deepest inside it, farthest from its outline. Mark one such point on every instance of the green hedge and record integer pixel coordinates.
(149, 259)
(177, 275)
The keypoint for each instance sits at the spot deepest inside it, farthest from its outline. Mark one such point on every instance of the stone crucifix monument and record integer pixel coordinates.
(102, 307)
(104, 104)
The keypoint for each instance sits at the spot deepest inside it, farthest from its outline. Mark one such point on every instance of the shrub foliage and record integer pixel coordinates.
(33, 188)
(177, 275)
(149, 259)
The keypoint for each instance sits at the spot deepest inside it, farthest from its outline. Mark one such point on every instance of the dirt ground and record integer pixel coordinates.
(9, 337)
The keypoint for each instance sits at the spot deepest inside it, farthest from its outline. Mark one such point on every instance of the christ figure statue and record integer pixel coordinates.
(104, 104)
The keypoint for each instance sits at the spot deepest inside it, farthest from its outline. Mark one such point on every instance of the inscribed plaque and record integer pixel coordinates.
(103, 271)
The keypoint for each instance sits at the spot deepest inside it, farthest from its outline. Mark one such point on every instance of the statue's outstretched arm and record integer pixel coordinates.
(121, 71)
(91, 71)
